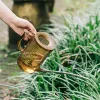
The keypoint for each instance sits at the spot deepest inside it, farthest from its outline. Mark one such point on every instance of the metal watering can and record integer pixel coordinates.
(35, 52)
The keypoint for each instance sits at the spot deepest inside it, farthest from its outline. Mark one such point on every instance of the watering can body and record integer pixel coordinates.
(36, 51)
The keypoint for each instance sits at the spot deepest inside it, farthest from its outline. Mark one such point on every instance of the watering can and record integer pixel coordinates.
(35, 52)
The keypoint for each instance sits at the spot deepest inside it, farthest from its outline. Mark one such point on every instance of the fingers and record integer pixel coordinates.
(27, 35)
(25, 38)
(31, 28)
(29, 32)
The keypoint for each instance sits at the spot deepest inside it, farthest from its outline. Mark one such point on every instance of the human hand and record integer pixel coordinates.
(21, 26)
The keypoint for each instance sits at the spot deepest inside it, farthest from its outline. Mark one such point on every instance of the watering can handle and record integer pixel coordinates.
(19, 45)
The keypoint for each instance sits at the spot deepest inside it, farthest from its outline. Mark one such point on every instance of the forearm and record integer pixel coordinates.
(19, 25)
(6, 14)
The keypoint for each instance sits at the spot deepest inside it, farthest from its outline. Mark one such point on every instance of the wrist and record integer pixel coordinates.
(10, 20)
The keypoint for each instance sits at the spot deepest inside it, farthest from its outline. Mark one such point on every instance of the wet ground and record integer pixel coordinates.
(8, 69)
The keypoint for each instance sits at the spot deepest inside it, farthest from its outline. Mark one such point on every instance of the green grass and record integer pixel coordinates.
(77, 54)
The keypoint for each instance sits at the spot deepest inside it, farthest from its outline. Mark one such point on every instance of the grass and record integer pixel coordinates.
(77, 54)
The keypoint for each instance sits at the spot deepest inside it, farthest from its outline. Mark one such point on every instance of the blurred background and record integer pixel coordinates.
(60, 6)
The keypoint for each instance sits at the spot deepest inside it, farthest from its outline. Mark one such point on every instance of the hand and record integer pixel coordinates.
(21, 26)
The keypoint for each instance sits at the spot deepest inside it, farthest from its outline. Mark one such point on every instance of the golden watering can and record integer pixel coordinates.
(35, 52)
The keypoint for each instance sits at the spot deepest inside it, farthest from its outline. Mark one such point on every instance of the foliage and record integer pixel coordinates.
(77, 54)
